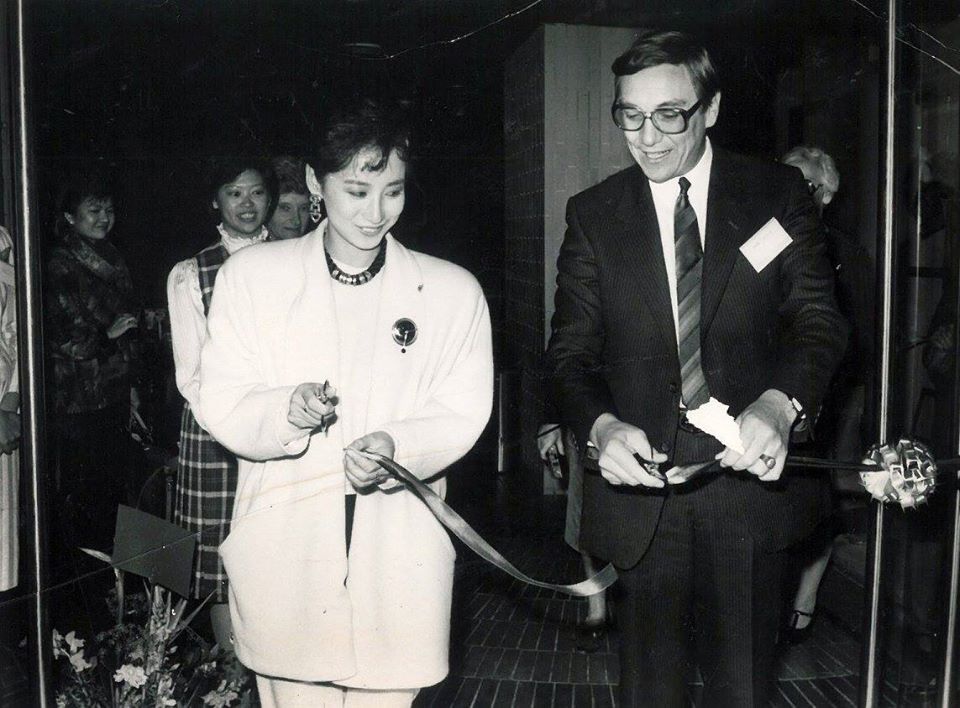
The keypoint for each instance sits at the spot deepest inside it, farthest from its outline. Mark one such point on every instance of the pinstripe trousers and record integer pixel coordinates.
(703, 595)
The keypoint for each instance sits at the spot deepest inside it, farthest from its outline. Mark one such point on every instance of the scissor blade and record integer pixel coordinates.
(684, 473)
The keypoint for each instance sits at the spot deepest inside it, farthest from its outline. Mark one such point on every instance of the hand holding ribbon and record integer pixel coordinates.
(462, 530)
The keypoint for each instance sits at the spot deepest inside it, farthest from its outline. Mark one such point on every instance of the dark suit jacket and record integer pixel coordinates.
(614, 349)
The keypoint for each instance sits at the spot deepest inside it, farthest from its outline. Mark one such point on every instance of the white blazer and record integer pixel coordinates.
(300, 608)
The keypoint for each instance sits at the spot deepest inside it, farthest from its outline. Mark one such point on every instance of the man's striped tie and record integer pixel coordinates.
(689, 257)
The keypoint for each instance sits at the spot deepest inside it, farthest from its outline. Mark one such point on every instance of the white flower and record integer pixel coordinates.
(61, 700)
(79, 662)
(135, 676)
(74, 643)
(58, 646)
(220, 700)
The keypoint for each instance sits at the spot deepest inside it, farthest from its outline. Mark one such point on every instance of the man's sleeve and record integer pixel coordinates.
(813, 333)
(574, 352)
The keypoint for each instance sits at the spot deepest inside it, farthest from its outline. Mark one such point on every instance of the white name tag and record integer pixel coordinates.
(765, 245)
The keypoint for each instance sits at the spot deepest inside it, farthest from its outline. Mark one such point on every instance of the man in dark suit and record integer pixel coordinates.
(657, 311)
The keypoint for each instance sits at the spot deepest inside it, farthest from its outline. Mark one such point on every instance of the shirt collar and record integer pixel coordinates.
(234, 243)
(698, 176)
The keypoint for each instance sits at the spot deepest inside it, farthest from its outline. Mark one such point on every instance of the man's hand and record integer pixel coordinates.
(765, 431)
(363, 472)
(618, 442)
(312, 405)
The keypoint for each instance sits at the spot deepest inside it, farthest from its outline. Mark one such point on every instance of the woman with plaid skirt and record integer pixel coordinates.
(243, 190)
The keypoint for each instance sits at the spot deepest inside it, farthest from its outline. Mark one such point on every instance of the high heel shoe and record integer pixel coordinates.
(792, 634)
(590, 635)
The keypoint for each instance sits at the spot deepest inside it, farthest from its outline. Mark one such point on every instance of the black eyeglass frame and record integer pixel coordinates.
(685, 113)
(812, 187)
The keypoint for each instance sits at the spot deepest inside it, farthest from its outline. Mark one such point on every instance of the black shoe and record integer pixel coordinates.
(590, 635)
(792, 634)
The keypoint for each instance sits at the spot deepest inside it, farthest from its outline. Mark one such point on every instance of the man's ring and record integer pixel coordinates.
(770, 462)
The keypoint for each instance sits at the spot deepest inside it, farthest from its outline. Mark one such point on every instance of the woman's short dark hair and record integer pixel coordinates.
(76, 189)
(223, 169)
(291, 177)
(653, 48)
(378, 125)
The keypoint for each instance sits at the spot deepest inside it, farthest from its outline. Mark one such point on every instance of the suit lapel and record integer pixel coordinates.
(724, 236)
(642, 253)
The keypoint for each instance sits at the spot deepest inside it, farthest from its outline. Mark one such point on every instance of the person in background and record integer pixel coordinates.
(554, 442)
(292, 216)
(9, 418)
(321, 348)
(241, 190)
(91, 328)
(839, 431)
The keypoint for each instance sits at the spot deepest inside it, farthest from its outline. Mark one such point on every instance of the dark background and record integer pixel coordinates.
(148, 89)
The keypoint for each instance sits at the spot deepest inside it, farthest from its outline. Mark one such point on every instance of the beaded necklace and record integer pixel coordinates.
(360, 278)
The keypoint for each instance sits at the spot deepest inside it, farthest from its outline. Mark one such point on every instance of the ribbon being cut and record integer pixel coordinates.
(905, 472)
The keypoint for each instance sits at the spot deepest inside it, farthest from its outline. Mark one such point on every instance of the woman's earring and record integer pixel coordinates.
(315, 213)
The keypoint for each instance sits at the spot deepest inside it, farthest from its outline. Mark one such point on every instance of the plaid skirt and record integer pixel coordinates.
(206, 484)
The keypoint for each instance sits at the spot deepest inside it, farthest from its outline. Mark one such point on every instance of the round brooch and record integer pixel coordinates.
(404, 333)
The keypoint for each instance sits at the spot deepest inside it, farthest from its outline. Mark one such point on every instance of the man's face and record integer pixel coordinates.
(661, 156)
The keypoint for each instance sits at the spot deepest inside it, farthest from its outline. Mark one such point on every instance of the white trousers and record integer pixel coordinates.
(277, 693)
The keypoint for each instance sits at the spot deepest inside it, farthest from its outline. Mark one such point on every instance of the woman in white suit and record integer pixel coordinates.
(344, 340)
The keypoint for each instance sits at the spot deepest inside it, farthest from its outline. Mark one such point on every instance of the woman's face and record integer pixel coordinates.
(291, 217)
(362, 205)
(93, 218)
(243, 204)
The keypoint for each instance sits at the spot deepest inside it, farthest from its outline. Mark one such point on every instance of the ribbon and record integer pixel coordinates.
(461, 529)
(904, 472)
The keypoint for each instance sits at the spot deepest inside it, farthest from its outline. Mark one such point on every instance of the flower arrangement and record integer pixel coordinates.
(147, 658)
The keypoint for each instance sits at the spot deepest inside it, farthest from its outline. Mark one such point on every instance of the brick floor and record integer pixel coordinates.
(513, 645)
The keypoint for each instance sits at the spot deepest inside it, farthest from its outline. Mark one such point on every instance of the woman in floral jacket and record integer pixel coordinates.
(91, 331)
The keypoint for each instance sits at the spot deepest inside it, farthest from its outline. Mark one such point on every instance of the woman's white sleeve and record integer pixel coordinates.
(240, 410)
(188, 331)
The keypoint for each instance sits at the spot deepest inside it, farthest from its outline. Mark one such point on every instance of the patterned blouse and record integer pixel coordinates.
(87, 287)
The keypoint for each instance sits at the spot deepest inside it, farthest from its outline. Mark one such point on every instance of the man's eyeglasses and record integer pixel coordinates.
(667, 120)
(812, 187)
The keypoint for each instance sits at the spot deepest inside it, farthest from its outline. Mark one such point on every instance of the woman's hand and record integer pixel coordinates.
(312, 405)
(9, 431)
(9, 422)
(549, 440)
(121, 325)
(363, 472)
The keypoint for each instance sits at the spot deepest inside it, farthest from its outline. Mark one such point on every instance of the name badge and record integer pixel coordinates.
(765, 245)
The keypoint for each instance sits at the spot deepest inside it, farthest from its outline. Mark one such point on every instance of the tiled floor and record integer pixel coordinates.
(513, 645)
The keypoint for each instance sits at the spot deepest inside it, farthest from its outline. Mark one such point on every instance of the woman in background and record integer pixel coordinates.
(241, 191)
(9, 418)
(292, 216)
(91, 328)
(340, 587)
